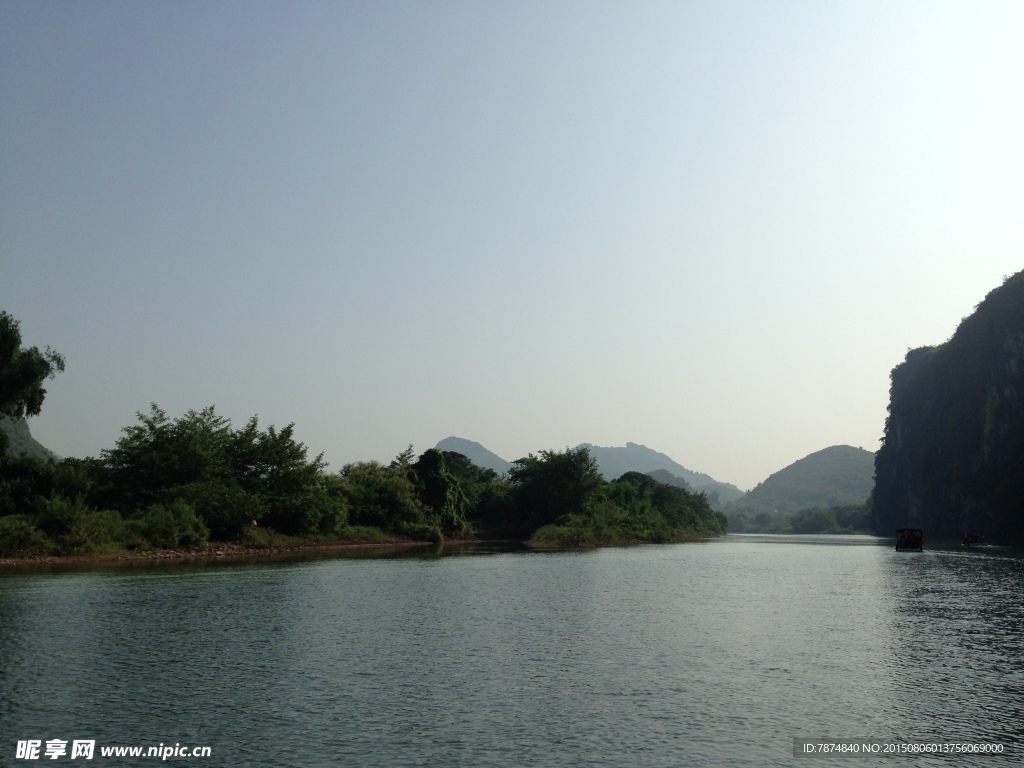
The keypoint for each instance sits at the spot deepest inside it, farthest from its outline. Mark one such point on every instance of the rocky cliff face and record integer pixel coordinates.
(952, 458)
(21, 441)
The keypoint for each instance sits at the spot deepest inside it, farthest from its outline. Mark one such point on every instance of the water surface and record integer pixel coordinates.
(710, 653)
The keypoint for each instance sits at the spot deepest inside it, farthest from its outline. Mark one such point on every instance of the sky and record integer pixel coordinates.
(711, 228)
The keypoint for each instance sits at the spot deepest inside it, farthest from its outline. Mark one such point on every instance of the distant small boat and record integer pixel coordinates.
(909, 540)
(973, 537)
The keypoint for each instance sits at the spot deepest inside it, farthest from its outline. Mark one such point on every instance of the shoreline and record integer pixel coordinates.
(229, 551)
(222, 551)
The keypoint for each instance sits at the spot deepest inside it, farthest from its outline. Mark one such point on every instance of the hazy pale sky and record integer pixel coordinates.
(709, 227)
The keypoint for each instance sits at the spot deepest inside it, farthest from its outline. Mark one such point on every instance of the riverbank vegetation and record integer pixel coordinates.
(184, 483)
(849, 519)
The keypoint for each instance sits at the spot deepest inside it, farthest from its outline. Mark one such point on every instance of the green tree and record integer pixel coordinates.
(23, 371)
(440, 490)
(385, 498)
(553, 486)
(233, 479)
(272, 465)
(813, 520)
(26, 483)
(475, 481)
(157, 456)
(493, 513)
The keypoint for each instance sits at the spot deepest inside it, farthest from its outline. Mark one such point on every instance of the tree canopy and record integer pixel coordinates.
(23, 371)
(234, 478)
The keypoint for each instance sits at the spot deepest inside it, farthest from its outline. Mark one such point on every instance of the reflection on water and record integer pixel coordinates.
(708, 653)
(958, 616)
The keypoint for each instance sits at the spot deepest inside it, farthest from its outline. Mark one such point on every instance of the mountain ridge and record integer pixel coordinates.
(615, 461)
(612, 462)
(475, 452)
(835, 476)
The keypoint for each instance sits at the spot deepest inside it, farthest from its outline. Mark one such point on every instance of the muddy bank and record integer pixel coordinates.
(222, 551)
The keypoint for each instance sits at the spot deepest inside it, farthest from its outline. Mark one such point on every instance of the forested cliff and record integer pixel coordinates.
(952, 458)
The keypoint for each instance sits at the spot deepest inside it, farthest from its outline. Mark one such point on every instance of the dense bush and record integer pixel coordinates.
(19, 537)
(382, 496)
(636, 507)
(847, 519)
(226, 509)
(25, 482)
(176, 525)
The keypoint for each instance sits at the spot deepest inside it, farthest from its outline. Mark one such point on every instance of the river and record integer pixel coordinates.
(708, 653)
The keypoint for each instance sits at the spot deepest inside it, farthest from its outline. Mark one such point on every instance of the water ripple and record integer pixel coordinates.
(717, 653)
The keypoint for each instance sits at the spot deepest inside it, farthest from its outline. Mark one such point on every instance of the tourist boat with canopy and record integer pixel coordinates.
(973, 537)
(909, 540)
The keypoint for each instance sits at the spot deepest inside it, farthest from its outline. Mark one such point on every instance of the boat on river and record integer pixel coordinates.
(909, 540)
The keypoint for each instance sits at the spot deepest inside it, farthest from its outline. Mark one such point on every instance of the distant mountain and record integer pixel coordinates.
(22, 442)
(666, 477)
(831, 477)
(616, 461)
(613, 463)
(475, 453)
